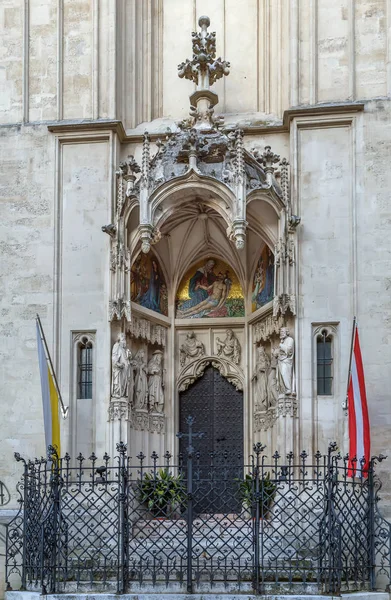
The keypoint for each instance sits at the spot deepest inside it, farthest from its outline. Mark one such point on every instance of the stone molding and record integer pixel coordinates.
(194, 370)
(83, 127)
(141, 328)
(266, 327)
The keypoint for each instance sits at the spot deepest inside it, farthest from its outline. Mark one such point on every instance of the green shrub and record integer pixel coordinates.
(247, 490)
(161, 492)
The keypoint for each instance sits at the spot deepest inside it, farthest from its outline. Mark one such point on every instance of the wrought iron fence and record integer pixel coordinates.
(287, 523)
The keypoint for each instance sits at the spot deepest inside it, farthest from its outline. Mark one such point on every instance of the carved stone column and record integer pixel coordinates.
(119, 418)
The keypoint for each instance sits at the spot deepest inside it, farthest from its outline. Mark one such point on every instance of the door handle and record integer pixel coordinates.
(221, 439)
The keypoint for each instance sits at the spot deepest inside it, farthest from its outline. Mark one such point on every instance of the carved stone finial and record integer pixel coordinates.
(204, 70)
(204, 22)
(267, 159)
(127, 170)
(192, 145)
(146, 161)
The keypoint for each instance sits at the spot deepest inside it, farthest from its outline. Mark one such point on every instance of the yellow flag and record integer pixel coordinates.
(50, 399)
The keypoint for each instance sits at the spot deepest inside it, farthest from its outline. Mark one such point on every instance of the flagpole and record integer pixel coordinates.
(345, 404)
(64, 409)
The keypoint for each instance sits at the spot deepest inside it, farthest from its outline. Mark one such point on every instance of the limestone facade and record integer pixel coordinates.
(81, 82)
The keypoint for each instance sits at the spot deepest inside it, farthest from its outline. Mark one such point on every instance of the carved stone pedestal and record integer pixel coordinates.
(286, 429)
(119, 423)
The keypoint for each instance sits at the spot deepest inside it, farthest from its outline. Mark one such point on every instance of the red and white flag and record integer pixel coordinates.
(359, 433)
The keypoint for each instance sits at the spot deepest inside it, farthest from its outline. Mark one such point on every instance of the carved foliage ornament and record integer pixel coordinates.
(265, 329)
(196, 369)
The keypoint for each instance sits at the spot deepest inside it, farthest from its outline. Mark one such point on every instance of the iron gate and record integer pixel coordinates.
(301, 526)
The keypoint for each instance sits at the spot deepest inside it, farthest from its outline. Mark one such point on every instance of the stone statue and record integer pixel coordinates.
(272, 393)
(285, 371)
(229, 347)
(121, 372)
(155, 382)
(261, 378)
(191, 348)
(141, 382)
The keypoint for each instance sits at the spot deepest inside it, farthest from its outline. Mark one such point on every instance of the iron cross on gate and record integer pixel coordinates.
(190, 435)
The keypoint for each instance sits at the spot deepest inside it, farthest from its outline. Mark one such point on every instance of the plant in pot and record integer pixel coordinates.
(162, 492)
(247, 492)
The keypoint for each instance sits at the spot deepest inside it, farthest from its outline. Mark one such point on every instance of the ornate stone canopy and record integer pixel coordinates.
(201, 151)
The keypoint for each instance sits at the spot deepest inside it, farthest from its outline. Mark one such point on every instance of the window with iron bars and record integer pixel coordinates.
(324, 364)
(84, 369)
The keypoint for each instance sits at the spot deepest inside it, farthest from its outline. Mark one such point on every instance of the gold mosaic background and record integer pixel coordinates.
(235, 291)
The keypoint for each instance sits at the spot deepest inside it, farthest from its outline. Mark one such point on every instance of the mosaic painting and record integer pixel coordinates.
(210, 289)
(263, 285)
(147, 284)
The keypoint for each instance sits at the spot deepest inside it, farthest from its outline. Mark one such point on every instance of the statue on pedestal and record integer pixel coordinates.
(141, 382)
(261, 378)
(285, 370)
(229, 347)
(122, 374)
(155, 382)
(191, 348)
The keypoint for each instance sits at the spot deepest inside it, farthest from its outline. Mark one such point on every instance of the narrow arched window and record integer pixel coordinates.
(324, 363)
(84, 368)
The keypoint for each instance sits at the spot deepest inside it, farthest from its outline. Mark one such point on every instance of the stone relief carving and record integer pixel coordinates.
(196, 368)
(191, 349)
(285, 367)
(260, 379)
(229, 347)
(119, 410)
(122, 374)
(146, 330)
(155, 382)
(274, 383)
(144, 421)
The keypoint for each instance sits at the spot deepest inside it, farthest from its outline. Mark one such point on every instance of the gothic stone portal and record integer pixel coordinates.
(217, 408)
